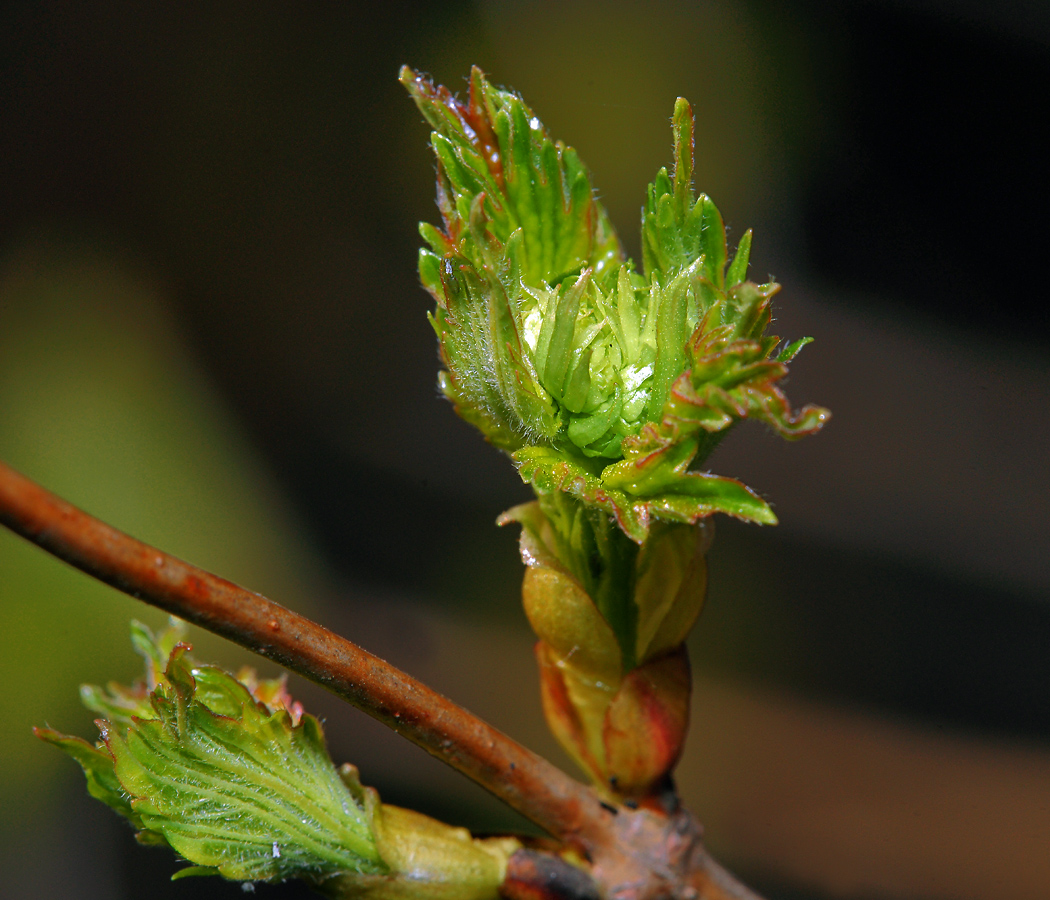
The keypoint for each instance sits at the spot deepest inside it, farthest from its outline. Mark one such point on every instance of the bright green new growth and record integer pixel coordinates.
(227, 771)
(604, 383)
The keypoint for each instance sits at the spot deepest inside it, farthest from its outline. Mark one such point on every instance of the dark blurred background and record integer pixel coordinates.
(211, 334)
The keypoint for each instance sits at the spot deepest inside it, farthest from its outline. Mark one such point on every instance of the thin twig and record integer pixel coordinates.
(526, 782)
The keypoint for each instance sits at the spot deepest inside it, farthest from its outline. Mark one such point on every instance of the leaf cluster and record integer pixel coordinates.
(602, 382)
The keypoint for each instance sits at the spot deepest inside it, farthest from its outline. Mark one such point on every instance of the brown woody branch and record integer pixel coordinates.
(641, 854)
(520, 778)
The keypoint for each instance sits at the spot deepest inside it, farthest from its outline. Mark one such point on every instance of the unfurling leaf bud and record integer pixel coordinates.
(609, 387)
(602, 382)
(235, 777)
(237, 786)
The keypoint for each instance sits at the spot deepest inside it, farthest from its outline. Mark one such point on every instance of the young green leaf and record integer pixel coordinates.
(235, 777)
(238, 783)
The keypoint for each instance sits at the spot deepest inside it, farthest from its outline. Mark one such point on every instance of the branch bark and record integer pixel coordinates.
(520, 778)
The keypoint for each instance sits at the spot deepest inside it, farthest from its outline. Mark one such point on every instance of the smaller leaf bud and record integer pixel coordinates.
(235, 777)
(612, 619)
